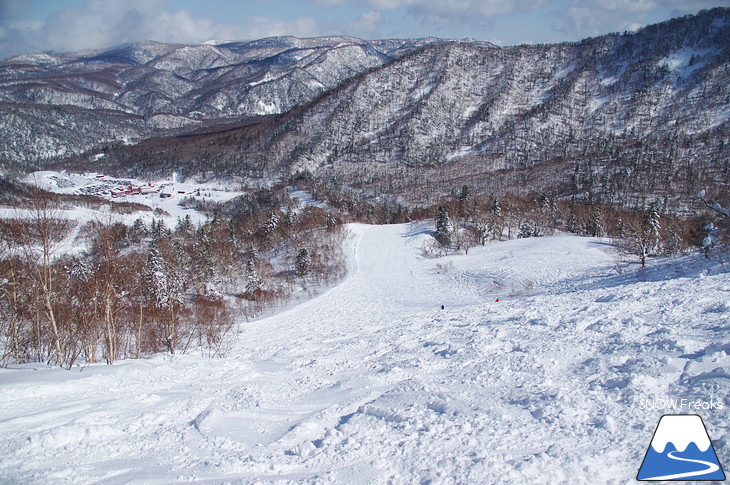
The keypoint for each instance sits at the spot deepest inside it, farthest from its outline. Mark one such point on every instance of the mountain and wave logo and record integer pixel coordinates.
(680, 450)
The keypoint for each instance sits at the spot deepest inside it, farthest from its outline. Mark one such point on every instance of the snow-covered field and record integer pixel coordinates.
(165, 208)
(560, 381)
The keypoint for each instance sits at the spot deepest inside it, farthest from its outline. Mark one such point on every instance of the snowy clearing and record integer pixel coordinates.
(162, 195)
(371, 382)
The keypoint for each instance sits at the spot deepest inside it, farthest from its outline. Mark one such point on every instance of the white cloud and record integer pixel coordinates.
(102, 23)
(367, 22)
(455, 11)
(594, 17)
(99, 24)
(326, 3)
(270, 26)
(388, 4)
(12, 8)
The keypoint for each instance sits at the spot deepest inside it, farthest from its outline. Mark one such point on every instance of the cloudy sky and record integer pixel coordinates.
(72, 25)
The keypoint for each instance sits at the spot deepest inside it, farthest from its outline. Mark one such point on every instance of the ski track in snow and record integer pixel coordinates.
(372, 382)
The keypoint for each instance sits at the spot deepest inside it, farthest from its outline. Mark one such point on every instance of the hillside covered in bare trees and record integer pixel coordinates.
(624, 119)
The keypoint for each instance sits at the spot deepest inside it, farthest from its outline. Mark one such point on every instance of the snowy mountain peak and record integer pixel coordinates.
(680, 430)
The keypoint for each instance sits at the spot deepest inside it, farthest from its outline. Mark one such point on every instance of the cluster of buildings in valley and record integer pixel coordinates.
(125, 188)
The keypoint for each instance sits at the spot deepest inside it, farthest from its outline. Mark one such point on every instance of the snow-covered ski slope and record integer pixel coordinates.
(373, 383)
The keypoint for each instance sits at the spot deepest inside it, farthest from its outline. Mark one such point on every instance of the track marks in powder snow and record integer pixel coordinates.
(372, 383)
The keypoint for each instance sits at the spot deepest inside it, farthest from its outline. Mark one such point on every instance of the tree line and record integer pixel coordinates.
(104, 290)
(463, 221)
(468, 217)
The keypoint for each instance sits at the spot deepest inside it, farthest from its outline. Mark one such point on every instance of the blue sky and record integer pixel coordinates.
(72, 25)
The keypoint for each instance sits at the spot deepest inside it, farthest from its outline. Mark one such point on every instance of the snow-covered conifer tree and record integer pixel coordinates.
(184, 225)
(495, 220)
(651, 228)
(252, 278)
(496, 208)
(205, 271)
(271, 223)
(642, 234)
(444, 227)
(303, 262)
(595, 223)
(155, 277)
(526, 230)
(714, 234)
(137, 231)
(464, 196)
(164, 287)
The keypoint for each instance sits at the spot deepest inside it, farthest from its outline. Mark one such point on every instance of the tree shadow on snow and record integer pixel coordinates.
(656, 270)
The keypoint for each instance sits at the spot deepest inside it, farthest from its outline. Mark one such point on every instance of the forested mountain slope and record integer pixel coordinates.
(627, 119)
(624, 118)
(55, 105)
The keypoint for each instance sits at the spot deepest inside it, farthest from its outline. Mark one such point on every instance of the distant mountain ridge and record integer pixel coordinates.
(138, 91)
(625, 118)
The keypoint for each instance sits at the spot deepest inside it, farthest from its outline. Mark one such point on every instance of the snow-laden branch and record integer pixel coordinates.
(713, 206)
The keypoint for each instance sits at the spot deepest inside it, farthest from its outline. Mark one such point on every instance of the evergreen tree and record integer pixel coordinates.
(164, 286)
(253, 280)
(595, 223)
(303, 262)
(138, 231)
(464, 196)
(526, 230)
(651, 226)
(290, 218)
(495, 220)
(711, 239)
(271, 223)
(444, 228)
(154, 276)
(184, 225)
(714, 235)
(571, 221)
(80, 269)
(159, 230)
(642, 234)
(163, 282)
(496, 209)
(202, 261)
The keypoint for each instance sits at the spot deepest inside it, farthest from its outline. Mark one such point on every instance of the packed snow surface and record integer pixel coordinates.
(563, 380)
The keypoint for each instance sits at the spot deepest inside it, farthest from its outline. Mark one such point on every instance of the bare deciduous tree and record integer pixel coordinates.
(42, 237)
